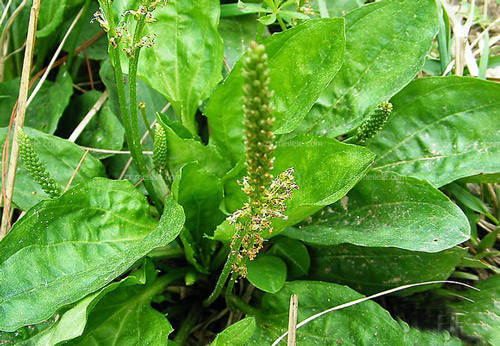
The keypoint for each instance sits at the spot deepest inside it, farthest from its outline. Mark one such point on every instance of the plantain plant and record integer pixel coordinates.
(310, 148)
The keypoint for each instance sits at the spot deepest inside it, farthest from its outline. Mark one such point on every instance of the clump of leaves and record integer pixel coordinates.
(306, 163)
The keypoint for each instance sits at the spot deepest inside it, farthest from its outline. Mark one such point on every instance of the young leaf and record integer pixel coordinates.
(66, 248)
(302, 61)
(267, 273)
(50, 16)
(481, 317)
(362, 324)
(237, 334)
(375, 269)
(387, 42)
(441, 129)
(61, 159)
(187, 56)
(387, 209)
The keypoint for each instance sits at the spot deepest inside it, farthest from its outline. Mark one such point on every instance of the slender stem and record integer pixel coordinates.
(139, 160)
(225, 272)
(146, 122)
(243, 306)
(280, 21)
(187, 325)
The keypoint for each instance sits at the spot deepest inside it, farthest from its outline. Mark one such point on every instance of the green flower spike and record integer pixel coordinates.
(266, 197)
(160, 149)
(375, 123)
(35, 167)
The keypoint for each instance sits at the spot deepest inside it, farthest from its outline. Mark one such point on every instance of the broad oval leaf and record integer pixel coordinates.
(267, 273)
(302, 61)
(370, 269)
(442, 129)
(325, 170)
(187, 56)
(363, 324)
(387, 42)
(479, 315)
(60, 157)
(66, 248)
(389, 210)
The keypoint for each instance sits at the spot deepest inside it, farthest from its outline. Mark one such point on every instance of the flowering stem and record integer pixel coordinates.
(130, 119)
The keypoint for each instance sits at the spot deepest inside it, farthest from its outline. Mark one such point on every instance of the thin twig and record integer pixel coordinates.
(5, 11)
(21, 112)
(292, 320)
(54, 58)
(5, 31)
(88, 118)
(76, 171)
(89, 69)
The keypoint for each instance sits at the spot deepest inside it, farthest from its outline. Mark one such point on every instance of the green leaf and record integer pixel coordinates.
(389, 210)
(72, 322)
(267, 273)
(481, 316)
(469, 200)
(66, 248)
(187, 56)
(61, 159)
(125, 316)
(337, 8)
(302, 61)
(186, 150)
(387, 42)
(237, 34)
(363, 324)
(237, 334)
(50, 16)
(373, 270)
(294, 254)
(47, 107)
(441, 129)
(325, 170)
(200, 194)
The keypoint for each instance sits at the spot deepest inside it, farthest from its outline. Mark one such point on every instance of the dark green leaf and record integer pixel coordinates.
(237, 334)
(373, 270)
(66, 248)
(481, 316)
(469, 200)
(294, 254)
(47, 107)
(363, 324)
(389, 210)
(267, 273)
(386, 45)
(185, 63)
(61, 159)
(442, 129)
(302, 61)
(325, 170)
